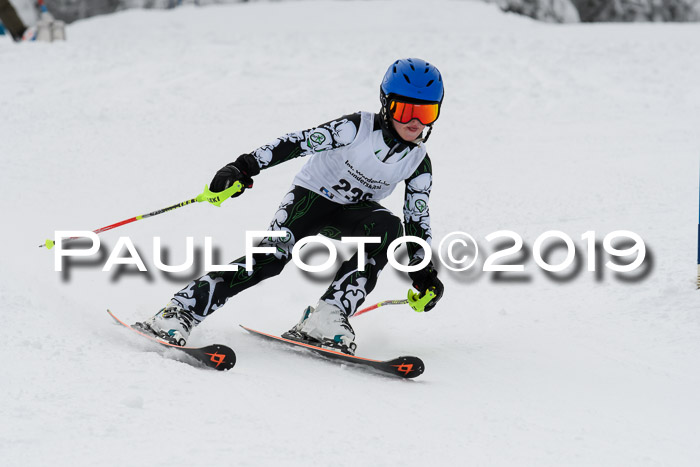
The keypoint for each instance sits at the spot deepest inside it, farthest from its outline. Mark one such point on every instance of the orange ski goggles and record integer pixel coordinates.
(404, 112)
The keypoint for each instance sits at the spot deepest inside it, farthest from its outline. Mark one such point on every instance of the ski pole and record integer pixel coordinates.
(415, 300)
(214, 198)
(377, 305)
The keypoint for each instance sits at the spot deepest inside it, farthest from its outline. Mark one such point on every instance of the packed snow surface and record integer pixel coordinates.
(544, 127)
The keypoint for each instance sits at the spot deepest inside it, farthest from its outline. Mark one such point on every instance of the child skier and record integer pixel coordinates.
(356, 160)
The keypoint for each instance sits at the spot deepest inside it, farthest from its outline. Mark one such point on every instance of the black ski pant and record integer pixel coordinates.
(304, 213)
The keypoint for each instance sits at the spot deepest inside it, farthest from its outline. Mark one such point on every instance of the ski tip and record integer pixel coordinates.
(221, 357)
(407, 367)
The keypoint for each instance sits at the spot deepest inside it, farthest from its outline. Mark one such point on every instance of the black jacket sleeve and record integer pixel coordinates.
(330, 135)
(415, 211)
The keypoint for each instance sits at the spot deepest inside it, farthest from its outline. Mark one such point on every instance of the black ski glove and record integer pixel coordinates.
(426, 279)
(237, 171)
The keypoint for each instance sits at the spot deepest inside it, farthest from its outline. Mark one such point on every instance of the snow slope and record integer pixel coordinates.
(571, 128)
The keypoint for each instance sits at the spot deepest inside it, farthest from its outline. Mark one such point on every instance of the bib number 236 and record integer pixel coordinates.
(353, 195)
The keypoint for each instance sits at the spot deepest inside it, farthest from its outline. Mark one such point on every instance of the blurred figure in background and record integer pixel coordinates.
(12, 22)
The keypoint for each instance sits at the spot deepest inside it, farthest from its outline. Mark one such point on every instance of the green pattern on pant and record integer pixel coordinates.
(351, 286)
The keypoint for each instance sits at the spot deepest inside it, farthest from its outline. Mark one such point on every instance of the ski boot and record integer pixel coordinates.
(172, 324)
(324, 326)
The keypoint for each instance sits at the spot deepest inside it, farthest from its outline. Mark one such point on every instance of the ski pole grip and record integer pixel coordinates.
(217, 198)
(418, 302)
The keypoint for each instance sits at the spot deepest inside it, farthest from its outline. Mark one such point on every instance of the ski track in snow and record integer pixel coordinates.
(544, 127)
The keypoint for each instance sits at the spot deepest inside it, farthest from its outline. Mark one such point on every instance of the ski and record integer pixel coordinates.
(404, 367)
(216, 356)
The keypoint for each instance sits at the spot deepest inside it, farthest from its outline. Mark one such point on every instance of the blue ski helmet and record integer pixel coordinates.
(414, 79)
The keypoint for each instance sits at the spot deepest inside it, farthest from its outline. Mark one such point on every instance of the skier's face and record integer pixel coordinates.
(409, 131)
